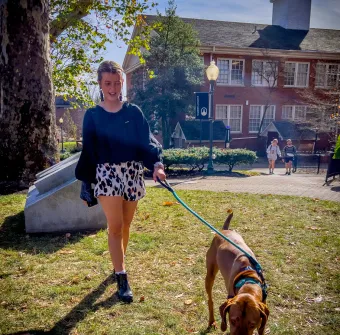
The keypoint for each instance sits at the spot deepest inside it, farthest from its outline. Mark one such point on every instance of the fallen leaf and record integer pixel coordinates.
(66, 252)
(188, 302)
(179, 295)
(313, 228)
(142, 298)
(105, 253)
(169, 203)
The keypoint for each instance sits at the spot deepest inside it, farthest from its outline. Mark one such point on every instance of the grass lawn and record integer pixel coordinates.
(61, 284)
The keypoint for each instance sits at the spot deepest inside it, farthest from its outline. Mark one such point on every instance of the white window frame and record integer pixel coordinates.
(326, 74)
(218, 83)
(296, 74)
(261, 115)
(228, 116)
(265, 84)
(293, 112)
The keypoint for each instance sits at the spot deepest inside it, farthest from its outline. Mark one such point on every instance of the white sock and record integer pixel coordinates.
(121, 272)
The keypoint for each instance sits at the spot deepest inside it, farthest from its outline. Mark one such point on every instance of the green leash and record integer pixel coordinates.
(255, 263)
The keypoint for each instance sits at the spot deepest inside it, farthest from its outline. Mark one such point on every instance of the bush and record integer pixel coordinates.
(337, 149)
(235, 157)
(194, 157)
(65, 155)
(197, 157)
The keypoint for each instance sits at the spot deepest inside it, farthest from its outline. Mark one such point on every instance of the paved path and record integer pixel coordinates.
(304, 185)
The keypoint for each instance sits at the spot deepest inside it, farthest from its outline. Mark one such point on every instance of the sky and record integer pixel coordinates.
(325, 14)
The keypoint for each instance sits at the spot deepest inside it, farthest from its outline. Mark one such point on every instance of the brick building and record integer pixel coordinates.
(306, 58)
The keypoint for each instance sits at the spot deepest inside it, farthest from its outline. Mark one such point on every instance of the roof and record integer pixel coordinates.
(253, 35)
(192, 129)
(292, 130)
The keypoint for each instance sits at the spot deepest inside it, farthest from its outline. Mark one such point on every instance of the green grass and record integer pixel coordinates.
(59, 284)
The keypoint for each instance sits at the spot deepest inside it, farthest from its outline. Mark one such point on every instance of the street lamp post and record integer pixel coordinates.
(212, 74)
(316, 138)
(61, 121)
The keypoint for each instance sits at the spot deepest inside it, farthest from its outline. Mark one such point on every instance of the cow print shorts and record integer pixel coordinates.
(122, 180)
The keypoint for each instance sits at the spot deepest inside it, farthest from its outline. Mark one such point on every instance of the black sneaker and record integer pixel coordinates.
(288, 173)
(123, 288)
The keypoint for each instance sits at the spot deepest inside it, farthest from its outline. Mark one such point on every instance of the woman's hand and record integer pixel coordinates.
(158, 172)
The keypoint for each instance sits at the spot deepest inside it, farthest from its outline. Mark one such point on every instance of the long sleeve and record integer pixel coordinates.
(86, 167)
(278, 151)
(150, 150)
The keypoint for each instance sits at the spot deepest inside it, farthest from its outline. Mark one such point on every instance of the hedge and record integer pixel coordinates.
(196, 157)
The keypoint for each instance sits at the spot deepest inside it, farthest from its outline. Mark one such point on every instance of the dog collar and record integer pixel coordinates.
(244, 281)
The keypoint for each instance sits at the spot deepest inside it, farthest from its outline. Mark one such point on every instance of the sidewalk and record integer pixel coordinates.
(298, 184)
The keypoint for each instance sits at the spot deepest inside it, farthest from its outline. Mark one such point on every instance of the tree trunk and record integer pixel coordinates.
(27, 114)
(166, 132)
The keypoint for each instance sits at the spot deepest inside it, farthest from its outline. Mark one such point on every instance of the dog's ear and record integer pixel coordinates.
(227, 221)
(224, 308)
(264, 311)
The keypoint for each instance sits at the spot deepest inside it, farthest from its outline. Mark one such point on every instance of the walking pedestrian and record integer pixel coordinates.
(117, 144)
(289, 153)
(273, 152)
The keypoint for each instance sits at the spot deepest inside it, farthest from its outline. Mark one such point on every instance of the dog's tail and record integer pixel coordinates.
(227, 221)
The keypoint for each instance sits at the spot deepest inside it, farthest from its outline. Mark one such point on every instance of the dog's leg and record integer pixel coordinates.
(212, 270)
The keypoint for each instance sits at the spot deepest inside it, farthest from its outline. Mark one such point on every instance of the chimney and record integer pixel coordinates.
(292, 14)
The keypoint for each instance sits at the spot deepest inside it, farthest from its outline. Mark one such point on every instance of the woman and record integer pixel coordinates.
(289, 153)
(116, 139)
(273, 151)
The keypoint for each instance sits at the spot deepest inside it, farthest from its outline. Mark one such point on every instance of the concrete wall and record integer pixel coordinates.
(292, 14)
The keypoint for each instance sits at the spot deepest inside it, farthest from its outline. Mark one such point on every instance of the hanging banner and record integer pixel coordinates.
(202, 105)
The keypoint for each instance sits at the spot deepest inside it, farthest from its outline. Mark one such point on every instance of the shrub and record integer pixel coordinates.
(197, 157)
(65, 155)
(235, 157)
(337, 149)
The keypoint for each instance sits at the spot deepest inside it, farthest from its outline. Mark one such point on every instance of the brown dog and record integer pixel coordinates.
(246, 305)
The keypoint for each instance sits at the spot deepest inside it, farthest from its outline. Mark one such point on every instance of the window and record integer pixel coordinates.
(231, 71)
(296, 74)
(294, 113)
(232, 114)
(327, 75)
(255, 117)
(264, 73)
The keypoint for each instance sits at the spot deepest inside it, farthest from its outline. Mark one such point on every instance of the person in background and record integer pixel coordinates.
(289, 153)
(117, 144)
(273, 152)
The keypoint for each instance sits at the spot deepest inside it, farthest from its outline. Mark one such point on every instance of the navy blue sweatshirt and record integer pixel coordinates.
(115, 138)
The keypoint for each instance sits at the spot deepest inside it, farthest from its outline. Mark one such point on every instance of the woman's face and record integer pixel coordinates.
(111, 85)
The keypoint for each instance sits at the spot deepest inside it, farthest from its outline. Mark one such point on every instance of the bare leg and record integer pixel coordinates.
(129, 209)
(113, 209)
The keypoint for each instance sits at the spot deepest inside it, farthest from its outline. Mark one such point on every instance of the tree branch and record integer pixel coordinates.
(63, 21)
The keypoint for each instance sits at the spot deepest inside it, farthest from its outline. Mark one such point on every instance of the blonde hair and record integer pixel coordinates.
(275, 140)
(109, 66)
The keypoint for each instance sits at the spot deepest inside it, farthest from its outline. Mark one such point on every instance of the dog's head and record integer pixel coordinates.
(245, 315)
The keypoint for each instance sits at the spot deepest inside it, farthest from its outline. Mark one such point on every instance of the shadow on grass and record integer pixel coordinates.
(13, 236)
(79, 312)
